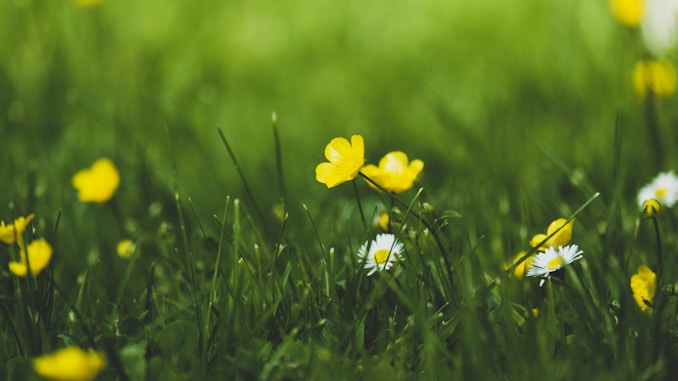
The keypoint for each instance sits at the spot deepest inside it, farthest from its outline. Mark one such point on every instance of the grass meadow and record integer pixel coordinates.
(241, 265)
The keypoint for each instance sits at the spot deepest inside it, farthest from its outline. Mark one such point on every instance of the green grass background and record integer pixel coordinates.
(511, 105)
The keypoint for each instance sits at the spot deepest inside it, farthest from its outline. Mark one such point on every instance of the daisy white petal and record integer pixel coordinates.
(381, 253)
(553, 259)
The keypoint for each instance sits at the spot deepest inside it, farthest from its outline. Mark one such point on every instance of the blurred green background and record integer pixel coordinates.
(478, 90)
(512, 105)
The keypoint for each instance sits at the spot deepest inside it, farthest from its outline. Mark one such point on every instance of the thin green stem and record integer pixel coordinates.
(659, 251)
(360, 205)
(241, 174)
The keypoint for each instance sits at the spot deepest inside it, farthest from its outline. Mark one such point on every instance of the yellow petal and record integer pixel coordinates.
(628, 12)
(97, 183)
(358, 147)
(656, 76)
(336, 149)
(521, 269)
(345, 161)
(8, 233)
(39, 254)
(395, 173)
(69, 364)
(562, 238)
(643, 285)
(126, 248)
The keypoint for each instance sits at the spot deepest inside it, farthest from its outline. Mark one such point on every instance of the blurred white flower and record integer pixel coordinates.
(663, 188)
(659, 26)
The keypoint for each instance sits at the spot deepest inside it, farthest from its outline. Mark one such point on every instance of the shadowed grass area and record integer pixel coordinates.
(245, 267)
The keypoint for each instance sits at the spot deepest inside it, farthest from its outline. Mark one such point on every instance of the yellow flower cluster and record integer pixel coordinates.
(33, 257)
(345, 161)
(12, 232)
(561, 238)
(656, 77)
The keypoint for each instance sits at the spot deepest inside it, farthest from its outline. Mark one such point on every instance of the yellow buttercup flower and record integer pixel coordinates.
(643, 285)
(97, 183)
(521, 269)
(39, 254)
(345, 160)
(562, 238)
(628, 12)
(654, 76)
(126, 248)
(70, 364)
(9, 233)
(395, 172)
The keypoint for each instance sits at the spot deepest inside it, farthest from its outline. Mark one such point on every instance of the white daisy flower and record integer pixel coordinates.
(551, 260)
(381, 253)
(663, 188)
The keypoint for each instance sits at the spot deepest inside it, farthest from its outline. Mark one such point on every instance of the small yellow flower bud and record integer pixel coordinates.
(651, 207)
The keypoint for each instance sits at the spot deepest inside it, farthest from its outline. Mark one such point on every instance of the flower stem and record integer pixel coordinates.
(360, 205)
(659, 251)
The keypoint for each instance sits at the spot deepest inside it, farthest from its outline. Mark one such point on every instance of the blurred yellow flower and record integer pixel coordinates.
(651, 207)
(521, 269)
(643, 285)
(654, 76)
(395, 172)
(97, 183)
(384, 221)
(345, 160)
(562, 238)
(628, 12)
(39, 254)
(70, 364)
(126, 248)
(8, 233)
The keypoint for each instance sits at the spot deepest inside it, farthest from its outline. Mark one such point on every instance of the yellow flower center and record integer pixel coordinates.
(661, 192)
(555, 263)
(380, 256)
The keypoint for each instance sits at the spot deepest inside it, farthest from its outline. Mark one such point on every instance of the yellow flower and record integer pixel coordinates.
(39, 254)
(345, 160)
(395, 173)
(70, 364)
(651, 207)
(97, 183)
(384, 221)
(654, 76)
(126, 248)
(643, 285)
(8, 233)
(628, 12)
(521, 269)
(562, 238)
